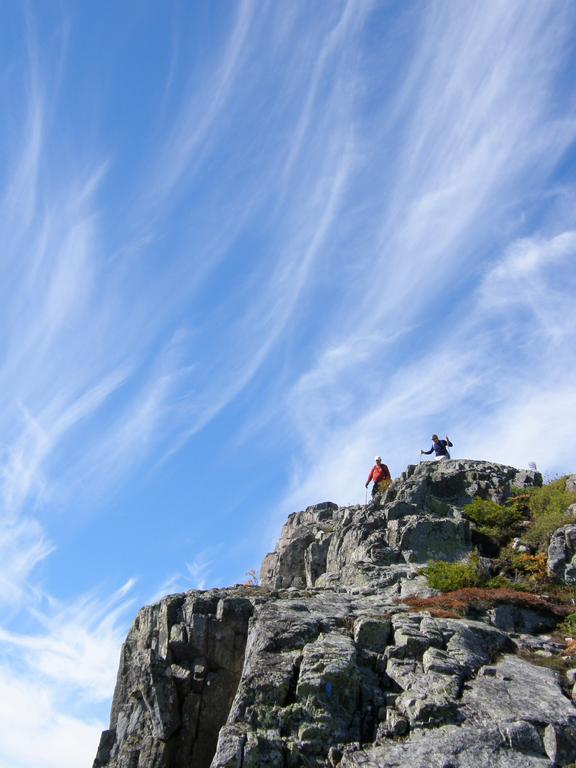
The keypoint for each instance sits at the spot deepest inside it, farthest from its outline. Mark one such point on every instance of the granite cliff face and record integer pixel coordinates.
(323, 664)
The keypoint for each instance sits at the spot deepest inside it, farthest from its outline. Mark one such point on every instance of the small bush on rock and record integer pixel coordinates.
(523, 570)
(568, 626)
(535, 513)
(503, 582)
(493, 520)
(451, 576)
(548, 506)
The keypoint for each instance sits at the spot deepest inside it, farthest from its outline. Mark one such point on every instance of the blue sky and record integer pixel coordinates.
(245, 247)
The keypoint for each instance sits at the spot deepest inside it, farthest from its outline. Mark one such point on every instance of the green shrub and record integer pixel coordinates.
(551, 498)
(498, 522)
(450, 576)
(547, 506)
(502, 582)
(516, 490)
(538, 535)
(568, 626)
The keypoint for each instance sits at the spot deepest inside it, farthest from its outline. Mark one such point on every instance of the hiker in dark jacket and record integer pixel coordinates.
(440, 448)
(380, 474)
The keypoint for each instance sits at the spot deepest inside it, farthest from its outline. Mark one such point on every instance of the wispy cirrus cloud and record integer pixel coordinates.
(77, 644)
(444, 329)
(473, 129)
(464, 132)
(80, 294)
(52, 678)
(23, 545)
(60, 740)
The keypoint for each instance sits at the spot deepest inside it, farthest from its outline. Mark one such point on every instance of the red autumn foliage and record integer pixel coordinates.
(463, 602)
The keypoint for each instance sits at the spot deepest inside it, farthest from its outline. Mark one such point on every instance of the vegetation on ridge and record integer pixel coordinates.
(498, 522)
(568, 626)
(471, 600)
(532, 514)
(518, 574)
(547, 507)
(448, 577)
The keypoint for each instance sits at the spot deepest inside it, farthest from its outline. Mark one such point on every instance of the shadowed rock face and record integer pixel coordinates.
(179, 671)
(323, 665)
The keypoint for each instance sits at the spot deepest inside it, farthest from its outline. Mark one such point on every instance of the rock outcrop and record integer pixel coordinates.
(419, 518)
(323, 664)
(179, 672)
(562, 554)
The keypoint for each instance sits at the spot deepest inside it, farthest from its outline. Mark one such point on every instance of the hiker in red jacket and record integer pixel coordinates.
(380, 474)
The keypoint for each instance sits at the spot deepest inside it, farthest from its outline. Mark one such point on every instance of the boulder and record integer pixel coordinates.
(515, 618)
(372, 633)
(560, 743)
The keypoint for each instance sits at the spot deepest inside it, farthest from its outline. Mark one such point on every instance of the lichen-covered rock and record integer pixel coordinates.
(179, 671)
(562, 555)
(560, 743)
(314, 676)
(372, 633)
(498, 723)
(448, 747)
(420, 517)
(304, 532)
(516, 618)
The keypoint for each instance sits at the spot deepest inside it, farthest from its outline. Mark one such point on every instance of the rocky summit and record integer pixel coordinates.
(324, 663)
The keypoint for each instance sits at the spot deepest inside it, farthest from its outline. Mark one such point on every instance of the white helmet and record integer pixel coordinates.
(377, 458)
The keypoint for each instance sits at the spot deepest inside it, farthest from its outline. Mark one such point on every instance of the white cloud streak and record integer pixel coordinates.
(199, 573)
(23, 545)
(79, 646)
(52, 678)
(60, 740)
(193, 129)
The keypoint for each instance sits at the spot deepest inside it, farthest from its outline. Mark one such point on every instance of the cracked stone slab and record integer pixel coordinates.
(447, 747)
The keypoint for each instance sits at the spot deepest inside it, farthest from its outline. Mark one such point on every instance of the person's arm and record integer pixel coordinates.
(369, 478)
(448, 443)
(430, 451)
(387, 475)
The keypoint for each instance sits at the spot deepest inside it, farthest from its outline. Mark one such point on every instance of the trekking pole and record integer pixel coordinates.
(366, 497)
